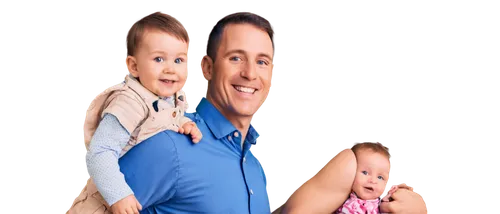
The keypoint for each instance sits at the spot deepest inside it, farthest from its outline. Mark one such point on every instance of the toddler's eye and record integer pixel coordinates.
(178, 60)
(380, 177)
(364, 172)
(159, 59)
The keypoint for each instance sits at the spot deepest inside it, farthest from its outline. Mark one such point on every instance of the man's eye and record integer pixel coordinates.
(261, 62)
(235, 58)
(364, 172)
(380, 177)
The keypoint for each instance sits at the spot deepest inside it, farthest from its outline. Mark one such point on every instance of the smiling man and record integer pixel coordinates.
(169, 174)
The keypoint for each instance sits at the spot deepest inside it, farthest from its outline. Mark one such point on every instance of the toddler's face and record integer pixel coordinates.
(161, 63)
(372, 174)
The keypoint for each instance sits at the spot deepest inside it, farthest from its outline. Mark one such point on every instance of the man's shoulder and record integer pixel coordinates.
(162, 143)
(194, 116)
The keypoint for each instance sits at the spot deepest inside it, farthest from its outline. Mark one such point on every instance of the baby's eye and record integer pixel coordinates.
(178, 60)
(380, 177)
(364, 172)
(159, 59)
(235, 58)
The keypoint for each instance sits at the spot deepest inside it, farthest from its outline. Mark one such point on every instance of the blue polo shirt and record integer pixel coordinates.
(170, 174)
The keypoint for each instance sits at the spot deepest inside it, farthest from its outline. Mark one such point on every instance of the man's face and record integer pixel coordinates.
(242, 71)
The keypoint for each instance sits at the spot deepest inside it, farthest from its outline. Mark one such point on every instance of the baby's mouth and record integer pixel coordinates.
(369, 188)
(167, 81)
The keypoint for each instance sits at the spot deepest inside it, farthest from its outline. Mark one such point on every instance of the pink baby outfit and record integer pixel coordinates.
(355, 205)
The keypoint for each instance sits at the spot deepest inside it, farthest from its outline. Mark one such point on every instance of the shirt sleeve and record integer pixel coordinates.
(152, 169)
(267, 181)
(108, 141)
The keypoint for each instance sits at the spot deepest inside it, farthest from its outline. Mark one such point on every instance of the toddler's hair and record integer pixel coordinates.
(374, 146)
(156, 20)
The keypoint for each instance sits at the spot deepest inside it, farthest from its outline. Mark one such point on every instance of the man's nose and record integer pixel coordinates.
(249, 71)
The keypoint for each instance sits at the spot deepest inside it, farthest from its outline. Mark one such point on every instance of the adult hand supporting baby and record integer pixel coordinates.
(404, 201)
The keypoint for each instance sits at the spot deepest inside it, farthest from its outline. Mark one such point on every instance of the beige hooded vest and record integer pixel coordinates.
(141, 113)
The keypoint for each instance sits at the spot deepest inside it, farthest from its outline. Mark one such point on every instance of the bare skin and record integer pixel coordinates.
(327, 190)
(405, 202)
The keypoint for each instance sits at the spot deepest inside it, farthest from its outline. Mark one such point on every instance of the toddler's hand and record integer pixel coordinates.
(387, 196)
(191, 129)
(127, 205)
(394, 189)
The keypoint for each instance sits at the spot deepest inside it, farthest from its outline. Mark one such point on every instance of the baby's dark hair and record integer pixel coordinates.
(155, 21)
(375, 147)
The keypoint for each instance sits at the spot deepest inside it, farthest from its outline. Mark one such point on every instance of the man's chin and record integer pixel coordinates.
(244, 112)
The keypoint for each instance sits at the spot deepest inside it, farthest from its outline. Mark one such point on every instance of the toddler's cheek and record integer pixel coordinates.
(380, 191)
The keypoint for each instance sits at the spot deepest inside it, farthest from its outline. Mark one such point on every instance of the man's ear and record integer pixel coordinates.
(132, 66)
(207, 66)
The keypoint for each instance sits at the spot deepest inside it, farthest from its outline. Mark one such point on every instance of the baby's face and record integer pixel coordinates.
(160, 63)
(371, 175)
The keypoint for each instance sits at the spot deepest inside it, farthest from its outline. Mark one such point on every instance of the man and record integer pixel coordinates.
(331, 186)
(169, 174)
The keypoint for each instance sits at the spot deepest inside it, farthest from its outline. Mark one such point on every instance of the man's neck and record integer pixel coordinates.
(241, 123)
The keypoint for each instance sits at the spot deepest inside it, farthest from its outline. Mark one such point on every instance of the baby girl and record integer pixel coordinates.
(372, 174)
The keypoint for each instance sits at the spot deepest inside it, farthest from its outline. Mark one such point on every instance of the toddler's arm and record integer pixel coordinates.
(105, 147)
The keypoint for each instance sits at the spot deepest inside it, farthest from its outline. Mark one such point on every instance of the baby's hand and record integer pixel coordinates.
(387, 196)
(394, 189)
(127, 205)
(192, 129)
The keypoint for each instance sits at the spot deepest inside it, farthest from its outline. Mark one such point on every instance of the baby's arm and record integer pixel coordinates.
(102, 163)
(190, 128)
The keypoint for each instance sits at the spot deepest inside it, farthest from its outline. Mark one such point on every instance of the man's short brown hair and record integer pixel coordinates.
(155, 21)
(236, 18)
(375, 147)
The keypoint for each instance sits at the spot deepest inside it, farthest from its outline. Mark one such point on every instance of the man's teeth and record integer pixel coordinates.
(245, 89)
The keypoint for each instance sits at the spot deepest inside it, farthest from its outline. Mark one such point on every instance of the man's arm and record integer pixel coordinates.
(327, 190)
(151, 169)
(265, 177)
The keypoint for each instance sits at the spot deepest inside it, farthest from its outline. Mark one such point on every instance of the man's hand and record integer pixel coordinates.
(405, 201)
(190, 128)
(128, 205)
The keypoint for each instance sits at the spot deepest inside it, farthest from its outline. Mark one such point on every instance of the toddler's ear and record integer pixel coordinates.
(132, 66)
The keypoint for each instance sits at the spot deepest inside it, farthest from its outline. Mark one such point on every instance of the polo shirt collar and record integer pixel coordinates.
(219, 125)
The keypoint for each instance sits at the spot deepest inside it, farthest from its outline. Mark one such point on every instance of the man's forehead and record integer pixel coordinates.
(246, 37)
